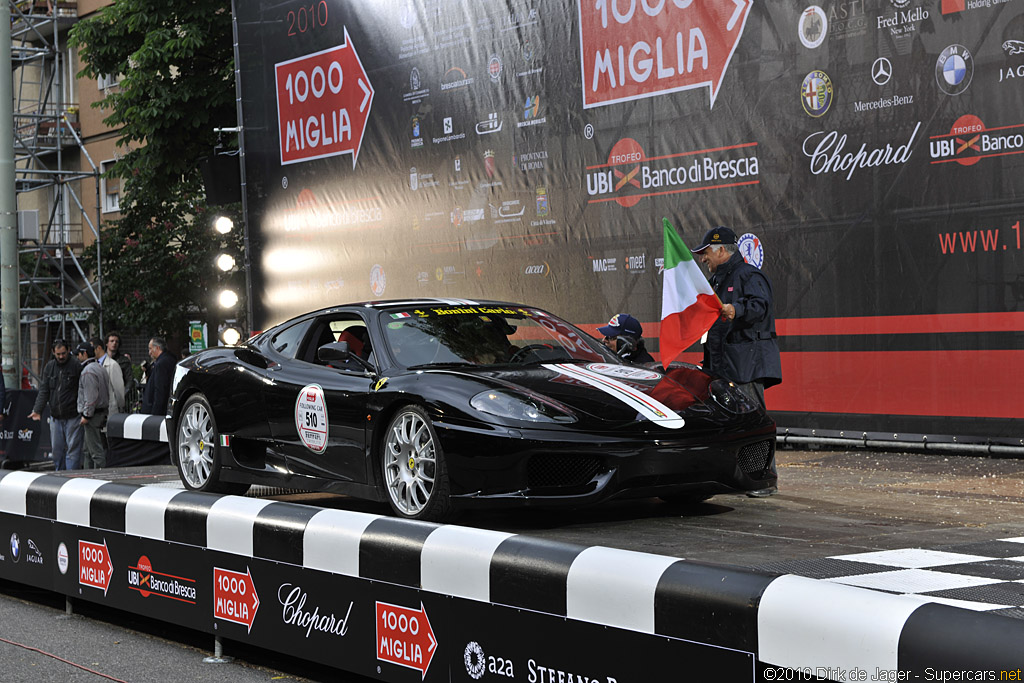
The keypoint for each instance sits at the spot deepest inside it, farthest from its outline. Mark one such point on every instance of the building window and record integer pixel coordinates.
(104, 81)
(110, 189)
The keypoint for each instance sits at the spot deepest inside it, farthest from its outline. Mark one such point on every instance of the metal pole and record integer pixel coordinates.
(250, 323)
(9, 314)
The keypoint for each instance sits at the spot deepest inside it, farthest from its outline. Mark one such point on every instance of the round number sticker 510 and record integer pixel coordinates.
(311, 418)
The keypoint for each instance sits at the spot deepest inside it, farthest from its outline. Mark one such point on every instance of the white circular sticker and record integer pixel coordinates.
(311, 418)
(623, 371)
(62, 558)
(751, 249)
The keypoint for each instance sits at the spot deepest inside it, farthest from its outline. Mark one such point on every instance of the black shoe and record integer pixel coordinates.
(763, 493)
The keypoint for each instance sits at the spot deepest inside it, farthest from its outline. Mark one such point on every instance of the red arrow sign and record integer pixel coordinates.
(234, 597)
(94, 565)
(644, 48)
(404, 637)
(323, 103)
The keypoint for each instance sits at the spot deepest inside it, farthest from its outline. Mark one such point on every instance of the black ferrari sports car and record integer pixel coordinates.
(433, 405)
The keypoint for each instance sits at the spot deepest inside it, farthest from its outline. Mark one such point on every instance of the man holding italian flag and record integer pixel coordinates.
(735, 309)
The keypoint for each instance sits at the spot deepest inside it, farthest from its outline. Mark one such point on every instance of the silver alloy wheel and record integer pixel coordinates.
(410, 463)
(196, 441)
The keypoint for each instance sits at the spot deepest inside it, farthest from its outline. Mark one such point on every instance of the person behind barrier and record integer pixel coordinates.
(624, 335)
(58, 388)
(93, 399)
(123, 360)
(158, 380)
(114, 377)
(741, 345)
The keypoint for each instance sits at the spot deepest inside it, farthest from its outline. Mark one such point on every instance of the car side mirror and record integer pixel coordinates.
(339, 351)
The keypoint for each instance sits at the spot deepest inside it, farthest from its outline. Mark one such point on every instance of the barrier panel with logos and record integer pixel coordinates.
(403, 601)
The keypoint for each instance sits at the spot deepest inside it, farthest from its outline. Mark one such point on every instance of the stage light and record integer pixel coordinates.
(227, 299)
(225, 262)
(223, 225)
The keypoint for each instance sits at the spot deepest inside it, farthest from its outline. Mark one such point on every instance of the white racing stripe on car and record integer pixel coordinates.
(653, 410)
(458, 302)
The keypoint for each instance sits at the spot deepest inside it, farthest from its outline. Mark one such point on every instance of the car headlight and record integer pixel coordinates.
(729, 396)
(520, 407)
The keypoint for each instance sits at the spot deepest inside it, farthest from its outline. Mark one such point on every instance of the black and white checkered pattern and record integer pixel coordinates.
(987, 577)
(137, 427)
(786, 620)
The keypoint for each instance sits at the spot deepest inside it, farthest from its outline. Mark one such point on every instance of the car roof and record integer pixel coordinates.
(406, 303)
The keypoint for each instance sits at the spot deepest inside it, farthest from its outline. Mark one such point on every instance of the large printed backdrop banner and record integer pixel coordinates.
(868, 152)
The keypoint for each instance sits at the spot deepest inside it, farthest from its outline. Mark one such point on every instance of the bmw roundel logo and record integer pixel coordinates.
(954, 69)
(816, 93)
(15, 547)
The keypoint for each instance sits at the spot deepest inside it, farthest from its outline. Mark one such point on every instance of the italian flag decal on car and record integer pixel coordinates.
(653, 410)
(225, 440)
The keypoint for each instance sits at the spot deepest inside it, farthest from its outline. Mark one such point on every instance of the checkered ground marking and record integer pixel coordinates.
(983, 576)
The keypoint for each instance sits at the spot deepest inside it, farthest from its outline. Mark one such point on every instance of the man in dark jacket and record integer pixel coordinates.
(741, 345)
(59, 389)
(158, 378)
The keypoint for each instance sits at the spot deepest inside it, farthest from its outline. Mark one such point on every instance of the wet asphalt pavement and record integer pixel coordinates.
(829, 503)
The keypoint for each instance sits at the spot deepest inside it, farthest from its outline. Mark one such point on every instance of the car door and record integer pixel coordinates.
(317, 413)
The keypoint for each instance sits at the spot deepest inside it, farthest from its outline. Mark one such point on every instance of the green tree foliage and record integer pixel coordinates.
(176, 68)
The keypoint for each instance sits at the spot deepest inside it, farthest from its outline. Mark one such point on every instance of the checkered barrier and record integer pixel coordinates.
(403, 601)
(137, 427)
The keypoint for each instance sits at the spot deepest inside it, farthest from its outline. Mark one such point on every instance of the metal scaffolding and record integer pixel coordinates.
(58, 295)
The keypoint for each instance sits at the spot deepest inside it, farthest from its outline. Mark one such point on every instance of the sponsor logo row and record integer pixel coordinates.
(403, 634)
(954, 66)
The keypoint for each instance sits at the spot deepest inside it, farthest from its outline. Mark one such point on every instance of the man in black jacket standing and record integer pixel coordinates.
(158, 378)
(741, 345)
(59, 389)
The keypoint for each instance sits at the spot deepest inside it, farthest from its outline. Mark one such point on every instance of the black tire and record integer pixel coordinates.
(413, 470)
(195, 449)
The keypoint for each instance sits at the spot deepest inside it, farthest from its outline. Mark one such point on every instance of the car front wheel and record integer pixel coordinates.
(196, 449)
(413, 468)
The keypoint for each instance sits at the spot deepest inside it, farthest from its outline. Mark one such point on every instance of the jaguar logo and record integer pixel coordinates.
(1014, 47)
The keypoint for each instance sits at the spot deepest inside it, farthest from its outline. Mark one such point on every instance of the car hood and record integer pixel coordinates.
(605, 393)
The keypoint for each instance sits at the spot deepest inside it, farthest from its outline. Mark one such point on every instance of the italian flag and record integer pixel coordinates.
(689, 307)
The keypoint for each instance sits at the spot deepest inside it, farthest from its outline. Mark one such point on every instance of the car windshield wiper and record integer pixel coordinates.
(450, 364)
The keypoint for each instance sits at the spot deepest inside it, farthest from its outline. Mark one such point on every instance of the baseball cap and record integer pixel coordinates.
(719, 235)
(622, 323)
(84, 347)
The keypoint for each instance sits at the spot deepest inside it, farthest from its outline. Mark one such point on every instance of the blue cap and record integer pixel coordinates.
(719, 235)
(622, 323)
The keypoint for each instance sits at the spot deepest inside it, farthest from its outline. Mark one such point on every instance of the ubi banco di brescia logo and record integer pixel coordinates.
(828, 153)
(147, 582)
(629, 175)
(969, 141)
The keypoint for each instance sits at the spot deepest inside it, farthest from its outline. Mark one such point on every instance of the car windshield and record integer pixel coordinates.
(485, 335)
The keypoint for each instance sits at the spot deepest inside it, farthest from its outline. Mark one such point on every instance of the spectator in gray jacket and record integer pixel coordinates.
(93, 398)
(114, 375)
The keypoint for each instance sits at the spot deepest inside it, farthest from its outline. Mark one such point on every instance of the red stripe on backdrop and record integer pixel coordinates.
(903, 324)
(888, 324)
(976, 383)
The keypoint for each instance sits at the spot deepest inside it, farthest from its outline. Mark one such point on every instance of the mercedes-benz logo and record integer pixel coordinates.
(881, 71)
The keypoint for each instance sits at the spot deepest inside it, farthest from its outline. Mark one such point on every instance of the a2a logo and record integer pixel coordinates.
(477, 663)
